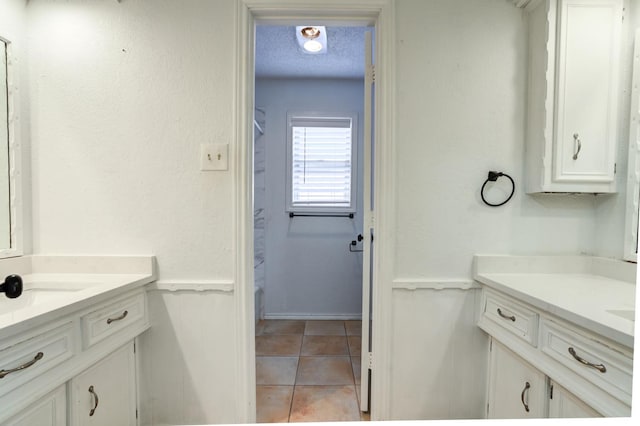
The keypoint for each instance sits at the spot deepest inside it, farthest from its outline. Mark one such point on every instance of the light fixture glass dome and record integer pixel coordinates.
(312, 46)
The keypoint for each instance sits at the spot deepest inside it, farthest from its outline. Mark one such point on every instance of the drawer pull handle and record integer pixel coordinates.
(96, 400)
(526, 388)
(512, 318)
(37, 358)
(121, 317)
(600, 367)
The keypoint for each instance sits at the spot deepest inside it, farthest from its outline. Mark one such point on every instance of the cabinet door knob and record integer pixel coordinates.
(96, 400)
(526, 388)
(577, 144)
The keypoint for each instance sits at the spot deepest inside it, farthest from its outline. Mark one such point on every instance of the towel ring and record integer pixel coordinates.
(493, 176)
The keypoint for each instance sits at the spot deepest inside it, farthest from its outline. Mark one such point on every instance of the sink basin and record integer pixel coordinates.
(628, 314)
(38, 293)
(31, 297)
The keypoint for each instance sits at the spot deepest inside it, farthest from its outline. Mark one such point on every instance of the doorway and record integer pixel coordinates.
(309, 183)
(376, 13)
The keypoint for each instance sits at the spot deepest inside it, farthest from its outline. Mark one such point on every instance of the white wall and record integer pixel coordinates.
(309, 271)
(122, 94)
(439, 355)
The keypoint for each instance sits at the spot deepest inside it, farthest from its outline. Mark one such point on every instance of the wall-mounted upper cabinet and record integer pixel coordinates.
(574, 56)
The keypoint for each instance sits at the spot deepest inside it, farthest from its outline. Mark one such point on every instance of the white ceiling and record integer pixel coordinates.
(278, 54)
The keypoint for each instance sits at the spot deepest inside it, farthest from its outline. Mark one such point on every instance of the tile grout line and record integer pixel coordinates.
(295, 379)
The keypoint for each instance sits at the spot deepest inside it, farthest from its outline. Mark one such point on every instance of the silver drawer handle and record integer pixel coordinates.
(600, 367)
(37, 358)
(95, 398)
(576, 140)
(512, 318)
(526, 388)
(121, 317)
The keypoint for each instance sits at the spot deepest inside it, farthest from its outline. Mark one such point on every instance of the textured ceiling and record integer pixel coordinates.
(278, 53)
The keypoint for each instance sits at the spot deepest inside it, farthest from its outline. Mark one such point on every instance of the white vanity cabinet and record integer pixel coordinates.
(516, 390)
(571, 372)
(105, 394)
(84, 368)
(573, 95)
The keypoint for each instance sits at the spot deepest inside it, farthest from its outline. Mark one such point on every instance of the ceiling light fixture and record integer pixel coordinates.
(312, 39)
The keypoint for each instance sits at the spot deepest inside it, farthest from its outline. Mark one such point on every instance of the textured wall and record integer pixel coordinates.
(309, 270)
(461, 88)
(123, 94)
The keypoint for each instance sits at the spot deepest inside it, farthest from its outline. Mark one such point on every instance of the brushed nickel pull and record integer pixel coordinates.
(512, 318)
(576, 139)
(600, 367)
(526, 388)
(121, 317)
(95, 397)
(37, 358)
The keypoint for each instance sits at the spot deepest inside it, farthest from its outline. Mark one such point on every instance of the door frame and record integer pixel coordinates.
(379, 13)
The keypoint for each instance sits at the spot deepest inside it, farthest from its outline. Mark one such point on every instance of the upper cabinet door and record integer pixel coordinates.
(573, 95)
(587, 90)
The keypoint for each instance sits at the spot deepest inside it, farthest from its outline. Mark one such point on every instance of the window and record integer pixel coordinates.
(321, 156)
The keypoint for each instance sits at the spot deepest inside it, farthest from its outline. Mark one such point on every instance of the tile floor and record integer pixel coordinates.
(308, 371)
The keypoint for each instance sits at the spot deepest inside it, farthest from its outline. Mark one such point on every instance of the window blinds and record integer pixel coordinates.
(321, 163)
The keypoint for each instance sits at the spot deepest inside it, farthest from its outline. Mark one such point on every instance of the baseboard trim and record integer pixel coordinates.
(338, 317)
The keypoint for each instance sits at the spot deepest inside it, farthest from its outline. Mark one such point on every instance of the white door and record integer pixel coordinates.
(367, 229)
(564, 405)
(587, 88)
(105, 394)
(50, 410)
(516, 389)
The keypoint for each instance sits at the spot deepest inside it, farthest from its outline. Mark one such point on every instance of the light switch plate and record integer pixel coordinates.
(214, 156)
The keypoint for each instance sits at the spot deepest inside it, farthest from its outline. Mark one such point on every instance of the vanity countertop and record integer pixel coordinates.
(49, 292)
(593, 293)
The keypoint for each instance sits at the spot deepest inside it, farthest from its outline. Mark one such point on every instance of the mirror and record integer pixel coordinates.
(5, 196)
(633, 165)
(9, 159)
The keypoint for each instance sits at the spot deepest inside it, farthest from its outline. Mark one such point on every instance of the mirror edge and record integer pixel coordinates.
(15, 158)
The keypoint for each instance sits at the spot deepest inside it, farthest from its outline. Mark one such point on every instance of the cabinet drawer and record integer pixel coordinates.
(111, 318)
(28, 359)
(512, 316)
(597, 362)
